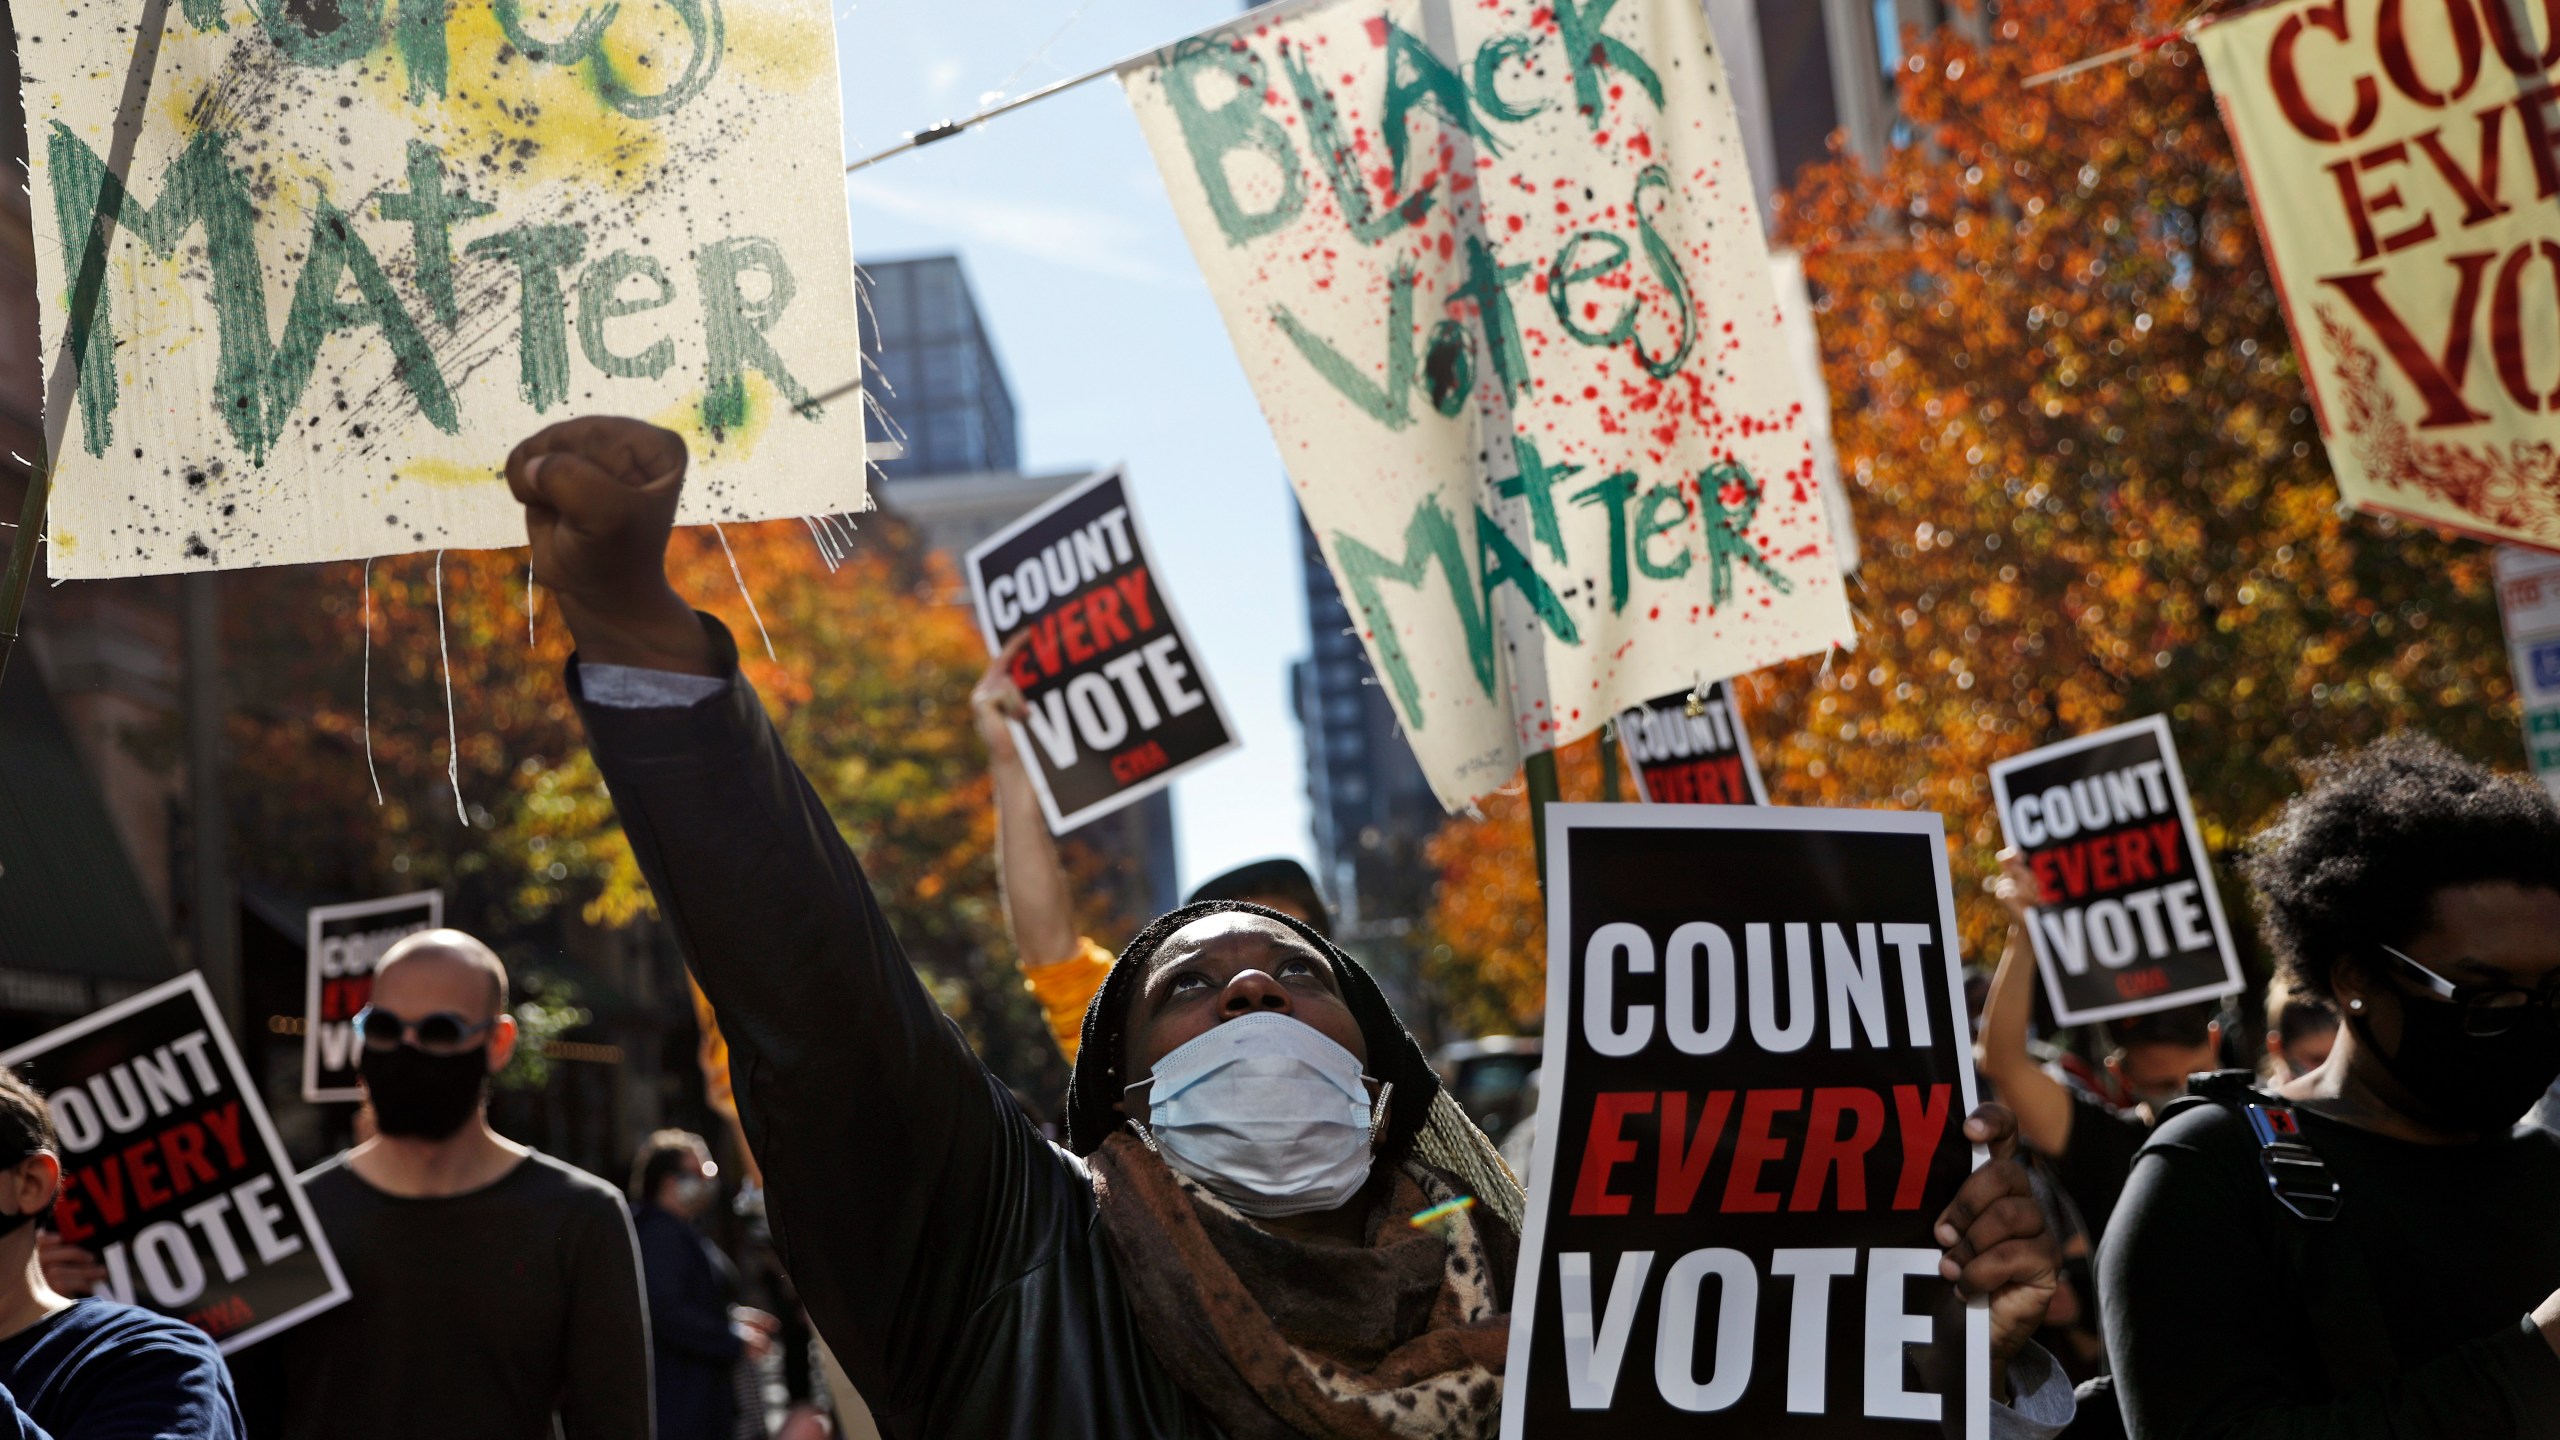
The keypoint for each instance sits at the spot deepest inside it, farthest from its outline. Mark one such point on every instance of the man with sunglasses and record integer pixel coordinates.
(496, 1290)
(2386, 1211)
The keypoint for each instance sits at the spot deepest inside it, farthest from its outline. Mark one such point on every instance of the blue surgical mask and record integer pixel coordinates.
(1267, 1113)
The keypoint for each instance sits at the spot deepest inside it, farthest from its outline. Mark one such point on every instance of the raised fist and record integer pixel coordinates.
(599, 498)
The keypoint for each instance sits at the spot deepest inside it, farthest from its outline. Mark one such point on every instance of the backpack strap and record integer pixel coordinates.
(2327, 1269)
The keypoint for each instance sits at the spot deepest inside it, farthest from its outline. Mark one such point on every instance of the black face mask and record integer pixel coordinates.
(421, 1096)
(2479, 1083)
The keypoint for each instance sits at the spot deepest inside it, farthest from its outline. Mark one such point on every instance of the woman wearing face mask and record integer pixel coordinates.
(2416, 1300)
(1220, 1249)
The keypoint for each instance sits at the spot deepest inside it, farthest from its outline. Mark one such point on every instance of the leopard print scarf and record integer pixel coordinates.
(1403, 1339)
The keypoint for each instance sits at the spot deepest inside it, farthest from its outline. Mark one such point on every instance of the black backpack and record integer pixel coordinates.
(2327, 1273)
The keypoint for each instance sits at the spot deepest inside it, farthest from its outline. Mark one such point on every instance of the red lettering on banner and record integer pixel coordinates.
(1923, 1120)
(1754, 1147)
(2478, 191)
(1138, 762)
(2290, 96)
(2391, 39)
(2074, 860)
(225, 1125)
(2102, 863)
(109, 1196)
(2438, 379)
(2539, 107)
(1607, 1149)
(183, 1146)
(1044, 647)
(1110, 627)
(1827, 1149)
(2363, 204)
(2513, 46)
(2506, 324)
(2168, 841)
(66, 1214)
(1133, 588)
(2133, 851)
(1685, 1154)
(1072, 633)
(142, 1171)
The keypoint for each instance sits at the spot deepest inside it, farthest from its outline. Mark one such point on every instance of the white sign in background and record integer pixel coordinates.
(320, 279)
(2529, 608)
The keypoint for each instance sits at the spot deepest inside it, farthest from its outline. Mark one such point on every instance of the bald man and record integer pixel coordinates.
(495, 1288)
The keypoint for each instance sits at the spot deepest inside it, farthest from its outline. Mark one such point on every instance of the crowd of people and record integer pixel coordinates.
(2355, 1233)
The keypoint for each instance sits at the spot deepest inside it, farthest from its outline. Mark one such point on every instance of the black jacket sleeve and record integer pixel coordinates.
(2187, 1250)
(904, 1187)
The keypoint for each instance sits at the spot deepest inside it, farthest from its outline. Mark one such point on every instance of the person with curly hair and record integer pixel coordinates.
(2386, 1207)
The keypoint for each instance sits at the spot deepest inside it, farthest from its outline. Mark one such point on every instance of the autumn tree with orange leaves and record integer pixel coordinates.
(2087, 485)
(870, 692)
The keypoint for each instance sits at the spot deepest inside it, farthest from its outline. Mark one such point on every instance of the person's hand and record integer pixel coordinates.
(599, 496)
(2017, 887)
(996, 700)
(69, 1269)
(2546, 1315)
(756, 1328)
(805, 1422)
(1996, 1242)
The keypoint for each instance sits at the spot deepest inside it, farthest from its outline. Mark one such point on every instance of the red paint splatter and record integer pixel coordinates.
(1376, 25)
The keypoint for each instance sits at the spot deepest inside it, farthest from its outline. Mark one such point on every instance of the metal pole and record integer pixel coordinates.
(1540, 771)
(217, 915)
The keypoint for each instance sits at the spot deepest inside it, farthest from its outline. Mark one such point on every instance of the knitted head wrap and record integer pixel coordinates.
(1423, 1122)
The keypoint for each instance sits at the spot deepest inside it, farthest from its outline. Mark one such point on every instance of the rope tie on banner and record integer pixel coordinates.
(369, 772)
(452, 739)
(2184, 30)
(744, 593)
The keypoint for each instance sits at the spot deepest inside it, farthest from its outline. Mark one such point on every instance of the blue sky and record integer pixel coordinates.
(1113, 346)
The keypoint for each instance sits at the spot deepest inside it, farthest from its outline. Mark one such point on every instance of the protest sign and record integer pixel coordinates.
(1757, 1073)
(1119, 704)
(344, 944)
(309, 271)
(171, 1172)
(2129, 920)
(2419, 275)
(1497, 276)
(1702, 758)
(2529, 609)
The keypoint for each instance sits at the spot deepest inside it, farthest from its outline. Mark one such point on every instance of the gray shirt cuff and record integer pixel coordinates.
(2040, 1404)
(629, 687)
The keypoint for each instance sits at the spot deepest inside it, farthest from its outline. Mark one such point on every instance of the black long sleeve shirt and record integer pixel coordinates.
(2210, 1329)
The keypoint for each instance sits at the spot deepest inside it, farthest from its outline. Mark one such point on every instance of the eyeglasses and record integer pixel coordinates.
(2486, 1009)
(443, 1033)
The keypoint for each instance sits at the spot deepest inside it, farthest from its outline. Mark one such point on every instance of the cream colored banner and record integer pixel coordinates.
(1496, 275)
(2404, 160)
(309, 270)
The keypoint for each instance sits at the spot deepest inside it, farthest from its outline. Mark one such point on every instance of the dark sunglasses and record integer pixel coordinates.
(443, 1033)
(2486, 1009)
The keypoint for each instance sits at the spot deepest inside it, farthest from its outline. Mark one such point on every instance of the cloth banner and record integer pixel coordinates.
(171, 1171)
(308, 272)
(2128, 919)
(2404, 163)
(1497, 276)
(1119, 703)
(1694, 753)
(1757, 1069)
(344, 944)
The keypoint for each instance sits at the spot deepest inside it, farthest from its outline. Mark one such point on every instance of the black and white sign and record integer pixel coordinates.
(171, 1171)
(2129, 920)
(1700, 759)
(1751, 1117)
(1119, 703)
(345, 942)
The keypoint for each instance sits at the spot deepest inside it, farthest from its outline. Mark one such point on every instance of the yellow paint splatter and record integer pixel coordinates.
(514, 123)
(738, 441)
(780, 49)
(63, 542)
(436, 470)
